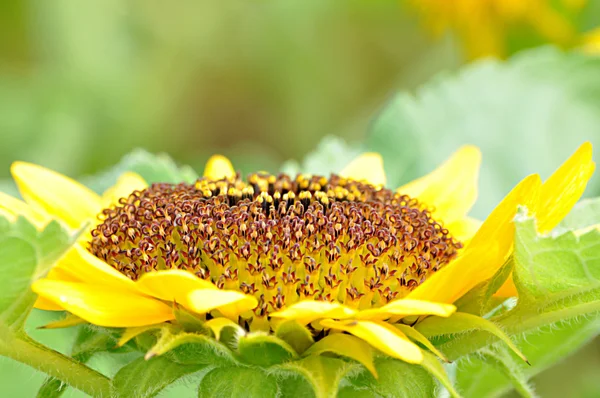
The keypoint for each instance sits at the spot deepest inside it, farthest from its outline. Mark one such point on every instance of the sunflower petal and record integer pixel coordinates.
(407, 307)
(391, 342)
(229, 302)
(12, 207)
(563, 189)
(413, 334)
(46, 305)
(463, 229)
(66, 322)
(218, 167)
(367, 167)
(486, 252)
(451, 188)
(131, 333)
(172, 285)
(126, 184)
(103, 306)
(308, 311)
(56, 194)
(80, 265)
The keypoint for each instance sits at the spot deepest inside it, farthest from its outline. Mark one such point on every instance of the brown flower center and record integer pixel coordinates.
(279, 239)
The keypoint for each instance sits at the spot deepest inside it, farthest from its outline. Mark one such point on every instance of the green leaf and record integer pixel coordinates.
(264, 350)
(347, 346)
(560, 266)
(237, 382)
(191, 348)
(146, 378)
(396, 379)
(295, 334)
(152, 168)
(25, 255)
(331, 156)
(537, 94)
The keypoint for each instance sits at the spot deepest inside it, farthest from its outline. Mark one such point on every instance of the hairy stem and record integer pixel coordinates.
(24, 349)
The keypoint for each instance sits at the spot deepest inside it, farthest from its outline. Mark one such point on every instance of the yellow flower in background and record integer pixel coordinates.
(484, 26)
(338, 254)
(591, 42)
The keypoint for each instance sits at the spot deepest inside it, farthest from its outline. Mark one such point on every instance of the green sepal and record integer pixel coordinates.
(346, 346)
(396, 379)
(190, 348)
(460, 322)
(323, 374)
(295, 334)
(500, 358)
(146, 378)
(238, 382)
(189, 322)
(264, 350)
(436, 369)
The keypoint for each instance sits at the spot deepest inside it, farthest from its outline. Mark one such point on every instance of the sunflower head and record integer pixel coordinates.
(279, 239)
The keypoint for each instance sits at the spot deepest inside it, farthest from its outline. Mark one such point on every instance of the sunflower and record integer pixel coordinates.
(339, 255)
(485, 26)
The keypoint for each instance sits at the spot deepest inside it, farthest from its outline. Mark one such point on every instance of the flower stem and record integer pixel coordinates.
(26, 350)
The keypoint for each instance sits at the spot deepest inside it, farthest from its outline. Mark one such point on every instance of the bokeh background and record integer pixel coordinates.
(267, 82)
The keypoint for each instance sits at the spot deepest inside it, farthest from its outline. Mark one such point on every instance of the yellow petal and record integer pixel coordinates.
(451, 188)
(79, 264)
(563, 189)
(229, 302)
(308, 311)
(9, 216)
(508, 289)
(486, 252)
(172, 285)
(55, 194)
(103, 306)
(46, 305)
(367, 167)
(413, 334)
(407, 307)
(463, 229)
(218, 167)
(12, 207)
(381, 336)
(131, 333)
(66, 322)
(126, 184)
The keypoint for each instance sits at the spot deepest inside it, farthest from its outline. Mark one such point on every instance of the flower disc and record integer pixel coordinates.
(278, 238)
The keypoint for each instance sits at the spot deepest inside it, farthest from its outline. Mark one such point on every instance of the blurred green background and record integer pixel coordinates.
(84, 83)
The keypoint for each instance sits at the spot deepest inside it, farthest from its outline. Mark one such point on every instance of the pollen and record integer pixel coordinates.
(279, 238)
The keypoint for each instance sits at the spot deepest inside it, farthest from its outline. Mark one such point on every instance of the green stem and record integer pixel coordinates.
(23, 349)
(514, 323)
